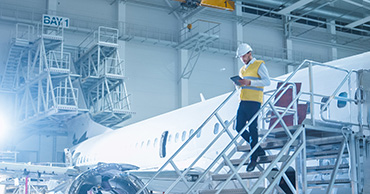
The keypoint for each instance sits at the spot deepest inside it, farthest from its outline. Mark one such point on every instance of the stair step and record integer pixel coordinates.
(231, 191)
(243, 175)
(322, 182)
(269, 144)
(326, 167)
(325, 140)
(324, 154)
(261, 159)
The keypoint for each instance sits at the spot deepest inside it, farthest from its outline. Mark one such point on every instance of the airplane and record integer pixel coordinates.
(123, 160)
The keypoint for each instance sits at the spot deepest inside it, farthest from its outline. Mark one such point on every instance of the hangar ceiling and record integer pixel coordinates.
(300, 18)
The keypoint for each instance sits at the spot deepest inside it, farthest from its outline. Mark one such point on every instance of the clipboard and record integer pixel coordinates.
(236, 79)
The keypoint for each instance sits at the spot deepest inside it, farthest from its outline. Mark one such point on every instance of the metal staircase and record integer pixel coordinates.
(102, 78)
(17, 51)
(303, 153)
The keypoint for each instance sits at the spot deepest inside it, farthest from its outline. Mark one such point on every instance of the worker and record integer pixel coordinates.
(189, 26)
(254, 76)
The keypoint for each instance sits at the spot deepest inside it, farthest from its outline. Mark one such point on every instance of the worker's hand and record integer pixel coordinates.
(245, 82)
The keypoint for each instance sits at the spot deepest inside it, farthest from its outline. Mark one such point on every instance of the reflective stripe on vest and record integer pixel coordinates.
(252, 88)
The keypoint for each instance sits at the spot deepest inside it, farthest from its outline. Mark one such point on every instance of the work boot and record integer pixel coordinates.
(251, 166)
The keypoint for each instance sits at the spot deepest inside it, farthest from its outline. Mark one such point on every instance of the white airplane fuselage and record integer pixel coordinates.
(139, 144)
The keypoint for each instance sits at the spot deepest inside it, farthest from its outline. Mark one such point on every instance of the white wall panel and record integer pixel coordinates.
(89, 9)
(346, 53)
(152, 79)
(263, 36)
(152, 18)
(31, 144)
(311, 51)
(28, 4)
(211, 76)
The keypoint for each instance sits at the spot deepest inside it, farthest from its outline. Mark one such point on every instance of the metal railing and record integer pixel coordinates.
(227, 153)
(199, 26)
(58, 60)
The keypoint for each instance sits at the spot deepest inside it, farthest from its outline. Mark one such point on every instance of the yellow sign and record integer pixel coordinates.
(219, 4)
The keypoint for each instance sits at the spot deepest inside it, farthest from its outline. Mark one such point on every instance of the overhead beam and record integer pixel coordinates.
(294, 6)
(358, 22)
(177, 15)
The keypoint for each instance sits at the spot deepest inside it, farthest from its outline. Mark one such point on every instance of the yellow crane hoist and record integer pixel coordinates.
(218, 4)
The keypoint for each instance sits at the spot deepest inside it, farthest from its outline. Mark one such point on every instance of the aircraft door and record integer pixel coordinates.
(364, 85)
(163, 143)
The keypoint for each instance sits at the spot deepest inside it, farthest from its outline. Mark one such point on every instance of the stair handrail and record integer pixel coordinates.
(194, 134)
(310, 63)
(268, 102)
(239, 134)
(188, 140)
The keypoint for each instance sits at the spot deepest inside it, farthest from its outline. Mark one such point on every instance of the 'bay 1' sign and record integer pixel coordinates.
(55, 21)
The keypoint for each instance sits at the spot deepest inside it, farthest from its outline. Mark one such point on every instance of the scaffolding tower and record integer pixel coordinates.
(102, 78)
(51, 88)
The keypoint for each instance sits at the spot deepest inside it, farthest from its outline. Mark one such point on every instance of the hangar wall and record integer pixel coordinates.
(152, 69)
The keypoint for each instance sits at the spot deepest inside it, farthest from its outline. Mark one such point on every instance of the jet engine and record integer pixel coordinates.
(107, 178)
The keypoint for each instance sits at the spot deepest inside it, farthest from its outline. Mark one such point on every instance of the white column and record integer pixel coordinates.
(288, 44)
(121, 27)
(52, 6)
(183, 83)
(289, 47)
(238, 33)
(333, 50)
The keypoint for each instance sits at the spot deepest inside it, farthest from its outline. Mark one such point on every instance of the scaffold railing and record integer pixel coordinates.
(59, 61)
(8, 156)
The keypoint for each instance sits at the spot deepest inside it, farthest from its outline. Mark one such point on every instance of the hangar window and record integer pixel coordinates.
(342, 103)
(177, 137)
(183, 137)
(215, 129)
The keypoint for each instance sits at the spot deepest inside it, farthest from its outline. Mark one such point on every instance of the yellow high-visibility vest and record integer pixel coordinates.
(251, 93)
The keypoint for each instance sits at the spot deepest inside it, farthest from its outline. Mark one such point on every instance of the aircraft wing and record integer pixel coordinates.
(27, 168)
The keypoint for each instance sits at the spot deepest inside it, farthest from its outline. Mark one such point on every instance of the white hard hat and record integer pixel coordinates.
(243, 49)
